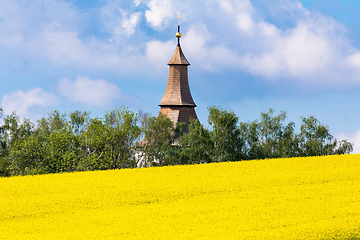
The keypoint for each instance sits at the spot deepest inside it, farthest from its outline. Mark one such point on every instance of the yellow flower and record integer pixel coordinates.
(294, 198)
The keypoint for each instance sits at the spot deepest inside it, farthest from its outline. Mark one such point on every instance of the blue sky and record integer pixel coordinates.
(302, 57)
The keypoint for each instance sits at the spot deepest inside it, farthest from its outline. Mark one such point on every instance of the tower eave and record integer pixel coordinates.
(170, 64)
(176, 105)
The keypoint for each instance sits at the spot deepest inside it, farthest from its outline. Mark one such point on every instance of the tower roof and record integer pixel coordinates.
(178, 57)
(177, 91)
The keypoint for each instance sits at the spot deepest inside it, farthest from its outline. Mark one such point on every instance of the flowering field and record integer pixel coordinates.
(298, 198)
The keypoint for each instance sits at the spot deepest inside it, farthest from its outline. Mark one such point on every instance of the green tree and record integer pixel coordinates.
(271, 137)
(196, 146)
(250, 133)
(15, 130)
(18, 140)
(57, 144)
(159, 147)
(62, 150)
(110, 143)
(79, 121)
(228, 146)
(3, 161)
(316, 139)
(60, 146)
(26, 157)
(122, 133)
(93, 144)
(279, 140)
(343, 147)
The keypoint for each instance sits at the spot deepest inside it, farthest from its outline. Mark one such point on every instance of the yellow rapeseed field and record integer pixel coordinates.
(297, 198)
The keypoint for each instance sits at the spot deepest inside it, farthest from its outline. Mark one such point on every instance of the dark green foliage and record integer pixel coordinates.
(4, 172)
(120, 133)
(270, 138)
(57, 144)
(109, 143)
(231, 140)
(158, 144)
(197, 145)
(228, 145)
(316, 139)
(75, 142)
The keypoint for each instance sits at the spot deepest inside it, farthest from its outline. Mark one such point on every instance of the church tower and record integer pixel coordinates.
(177, 102)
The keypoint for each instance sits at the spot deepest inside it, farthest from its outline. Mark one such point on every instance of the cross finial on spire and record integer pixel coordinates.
(178, 34)
(178, 16)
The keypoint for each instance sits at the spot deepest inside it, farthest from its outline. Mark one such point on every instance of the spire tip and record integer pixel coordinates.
(178, 34)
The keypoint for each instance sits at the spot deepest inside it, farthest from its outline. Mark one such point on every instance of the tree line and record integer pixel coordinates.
(63, 142)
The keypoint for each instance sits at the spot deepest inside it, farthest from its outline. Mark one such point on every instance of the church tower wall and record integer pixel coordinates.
(179, 114)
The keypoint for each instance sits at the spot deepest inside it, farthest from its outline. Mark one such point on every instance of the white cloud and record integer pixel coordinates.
(89, 92)
(61, 47)
(137, 2)
(236, 6)
(160, 10)
(304, 52)
(19, 19)
(20, 101)
(159, 53)
(119, 21)
(217, 35)
(313, 49)
(57, 32)
(353, 62)
(65, 48)
(212, 58)
(245, 22)
(241, 11)
(129, 23)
